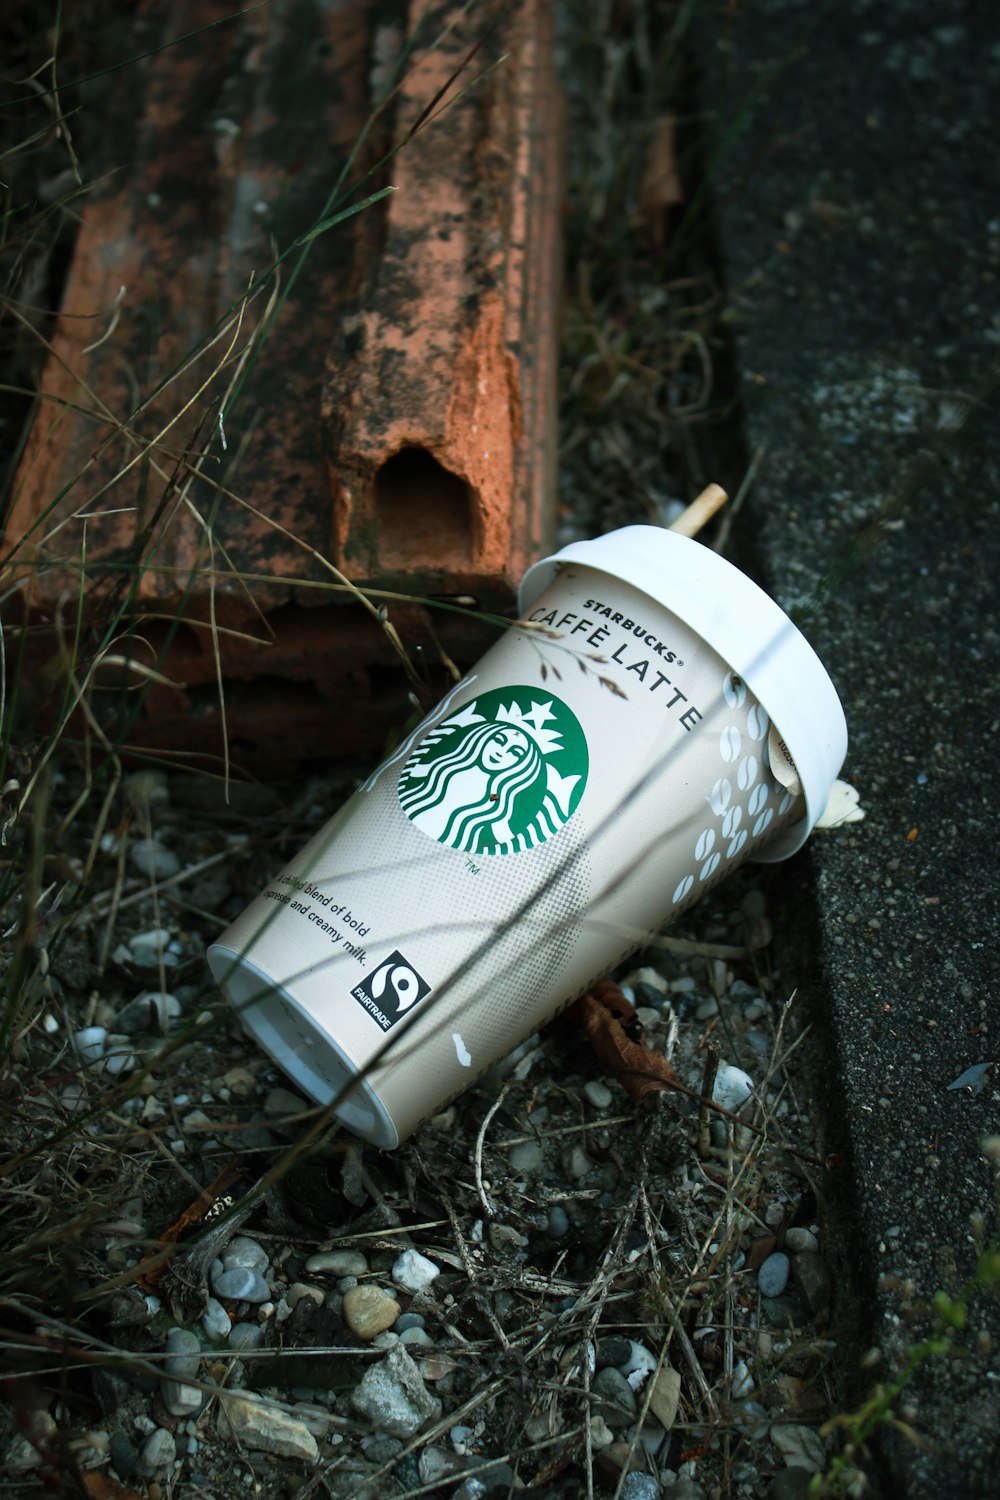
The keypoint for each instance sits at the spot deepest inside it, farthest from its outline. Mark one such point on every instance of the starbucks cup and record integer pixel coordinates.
(651, 721)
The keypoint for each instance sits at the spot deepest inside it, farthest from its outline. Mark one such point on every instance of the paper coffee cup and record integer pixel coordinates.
(652, 721)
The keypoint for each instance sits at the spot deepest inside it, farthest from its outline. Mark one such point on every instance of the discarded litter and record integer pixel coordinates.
(974, 1079)
(652, 720)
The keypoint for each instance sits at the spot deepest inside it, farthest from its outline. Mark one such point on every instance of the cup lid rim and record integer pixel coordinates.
(744, 626)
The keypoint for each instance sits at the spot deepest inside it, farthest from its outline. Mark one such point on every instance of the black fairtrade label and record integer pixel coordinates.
(391, 990)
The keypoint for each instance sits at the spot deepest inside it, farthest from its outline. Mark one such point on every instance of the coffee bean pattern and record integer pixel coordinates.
(744, 811)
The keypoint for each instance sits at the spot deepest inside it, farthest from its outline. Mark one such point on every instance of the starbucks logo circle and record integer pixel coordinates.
(499, 775)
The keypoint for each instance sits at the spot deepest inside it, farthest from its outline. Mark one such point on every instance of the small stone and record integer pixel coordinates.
(181, 1399)
(598, 1094)
(790, 1484)
(416, 1336)
(578, 1164)
(119, 1057)
(797, 1239)
(784, 1312)
(301, 1289)
(665, 1395)
(638, 1486)
(617, 1405)
(706, 1009)
(90, 1042)
(379, 1449)
(282, 1102)
(772, 1278)
(799, 1446)
(640, 1364)
(154, 859)
(759, 933)
(249, 1420)
(216, 1321)
(812, 1279)
(558, 1223)
(146, 789)
(393, 1397)
(183, 1353)
(159, 1450)
(505, 1238)
(436, 1464)
(154, 941)
(497, 1479)
(613, 1350)
(369, 1310)
(732, 1088)
(181, 1365)
(241, 1284)
(124, 1457)
(245, 1336)
(240, 1081)
(754, 903)
(526, 1157)
(243, 1251)
(471, 1489)
(409, 1320)
(338, 1263)
(414, 1271)
(153, 1010)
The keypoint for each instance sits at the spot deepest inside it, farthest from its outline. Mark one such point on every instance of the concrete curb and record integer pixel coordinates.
(858, 229)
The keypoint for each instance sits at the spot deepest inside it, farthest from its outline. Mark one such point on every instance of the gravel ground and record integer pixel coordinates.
(549, 1287)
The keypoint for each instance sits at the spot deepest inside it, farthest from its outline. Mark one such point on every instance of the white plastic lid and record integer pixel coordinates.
(747, 629)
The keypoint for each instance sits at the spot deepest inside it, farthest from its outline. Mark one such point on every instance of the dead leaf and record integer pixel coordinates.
(103, 1487)
(640, 1070)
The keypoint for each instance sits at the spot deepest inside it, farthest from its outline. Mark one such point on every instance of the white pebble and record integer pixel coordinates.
(241, 1284)
(151, 1011)
(732, 1088)
(90, 1042)
(639, 1365)
(743, 1381)
(414, 1271)
(416, 1336)
(119, 1058)
(152, 858)
(243, 1251)
(300, 1289)
(156, 938)
(597, 1093)
(797, 1238)
(159, 1449)
(338, 1263)
(216, 1321)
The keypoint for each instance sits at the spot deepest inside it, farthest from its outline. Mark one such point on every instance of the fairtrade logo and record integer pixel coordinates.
(389, 991)
(499, 776)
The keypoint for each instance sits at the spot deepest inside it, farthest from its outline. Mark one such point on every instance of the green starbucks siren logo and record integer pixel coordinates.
(500, 775)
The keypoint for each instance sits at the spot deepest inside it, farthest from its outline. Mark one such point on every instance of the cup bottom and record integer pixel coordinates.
(300, 1048)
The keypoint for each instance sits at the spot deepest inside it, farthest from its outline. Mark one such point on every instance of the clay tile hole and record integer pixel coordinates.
(423, 512)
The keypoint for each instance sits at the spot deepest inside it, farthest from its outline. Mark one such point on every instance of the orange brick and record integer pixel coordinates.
(399, 420)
